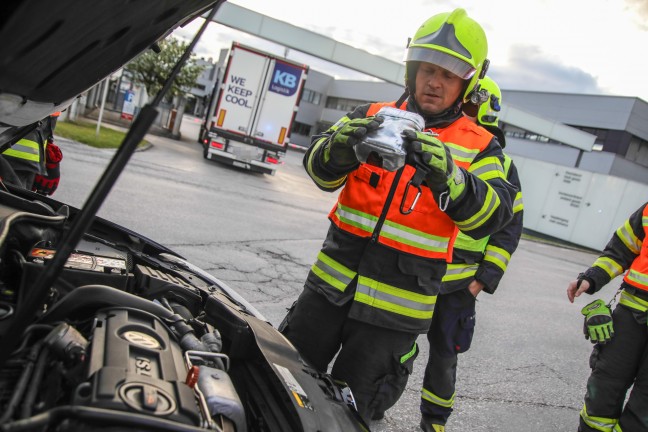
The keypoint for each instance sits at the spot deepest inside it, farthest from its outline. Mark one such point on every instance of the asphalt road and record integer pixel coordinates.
(527, 368)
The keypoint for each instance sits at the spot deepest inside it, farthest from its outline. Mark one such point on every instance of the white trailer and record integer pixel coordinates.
(255, 109)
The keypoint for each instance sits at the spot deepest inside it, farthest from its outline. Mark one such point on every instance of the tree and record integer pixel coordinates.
(152, 69)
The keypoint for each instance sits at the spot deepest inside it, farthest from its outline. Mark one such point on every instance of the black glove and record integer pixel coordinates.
(598, 326)
(47, 184)
(341, 151)
(434, 157)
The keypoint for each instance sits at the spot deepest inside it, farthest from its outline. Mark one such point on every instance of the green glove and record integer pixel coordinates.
(442, 173)
(598, 322)
(340, 147)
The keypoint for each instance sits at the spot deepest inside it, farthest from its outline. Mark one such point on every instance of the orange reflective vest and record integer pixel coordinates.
(365, 207)
(637, 274)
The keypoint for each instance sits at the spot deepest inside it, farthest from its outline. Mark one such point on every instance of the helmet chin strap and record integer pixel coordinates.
(402, 98)
(436, 120)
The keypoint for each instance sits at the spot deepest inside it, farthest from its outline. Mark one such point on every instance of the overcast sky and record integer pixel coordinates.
(565, 46)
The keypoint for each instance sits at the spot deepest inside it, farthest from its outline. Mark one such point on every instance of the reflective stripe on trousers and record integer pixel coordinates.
(432, 398)
(599, 423)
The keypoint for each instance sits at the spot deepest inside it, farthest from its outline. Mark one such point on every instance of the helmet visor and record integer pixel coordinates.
(446, 61)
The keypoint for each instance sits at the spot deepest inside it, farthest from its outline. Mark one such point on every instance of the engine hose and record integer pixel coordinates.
(95, 297)
(99, 415)
(21, 386)
(34, 385)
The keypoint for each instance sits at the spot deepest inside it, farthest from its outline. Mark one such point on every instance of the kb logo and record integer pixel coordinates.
(285, 79)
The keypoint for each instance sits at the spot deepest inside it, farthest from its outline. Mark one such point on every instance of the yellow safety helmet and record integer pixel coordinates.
(455, 42)
(488, 114)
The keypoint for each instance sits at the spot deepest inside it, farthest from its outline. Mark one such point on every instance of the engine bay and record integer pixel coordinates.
(133, 337)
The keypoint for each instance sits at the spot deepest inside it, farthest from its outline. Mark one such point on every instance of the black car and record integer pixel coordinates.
(102, 328)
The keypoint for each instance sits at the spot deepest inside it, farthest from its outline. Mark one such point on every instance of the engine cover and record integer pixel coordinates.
(134, 365)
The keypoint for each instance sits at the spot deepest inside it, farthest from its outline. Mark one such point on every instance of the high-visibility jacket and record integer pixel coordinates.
(627, 251)
(28, 153)
(486, 259)
(388, 263)
(372, 202)
(637, 274)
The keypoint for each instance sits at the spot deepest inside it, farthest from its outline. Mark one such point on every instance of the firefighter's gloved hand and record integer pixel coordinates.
(341, 151)
(434, 156)
(598, 322)
(47, 184)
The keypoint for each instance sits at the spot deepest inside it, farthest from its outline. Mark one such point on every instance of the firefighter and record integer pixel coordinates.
(35, 158)
(619, 358)
(27, 156)
(374, 284)
(477, 265)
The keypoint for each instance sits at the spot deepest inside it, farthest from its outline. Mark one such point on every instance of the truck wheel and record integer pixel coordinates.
(205, 151)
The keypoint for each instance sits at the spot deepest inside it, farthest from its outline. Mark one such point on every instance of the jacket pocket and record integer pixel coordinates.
(427, 271)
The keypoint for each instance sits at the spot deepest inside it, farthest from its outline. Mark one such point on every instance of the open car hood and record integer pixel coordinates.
(52, 51)
(102, 328)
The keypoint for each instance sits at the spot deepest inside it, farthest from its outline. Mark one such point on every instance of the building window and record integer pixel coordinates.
(311, 96)
(513, 132)
(301, 129)
(601, 134)
(342, 104)
(638, 151)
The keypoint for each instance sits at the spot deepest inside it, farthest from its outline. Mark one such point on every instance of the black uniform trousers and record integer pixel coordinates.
(450, 334)
(616, 366)
(372, 360)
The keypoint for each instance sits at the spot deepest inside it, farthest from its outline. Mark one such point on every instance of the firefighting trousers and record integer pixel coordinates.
(616, 366)
(372, 360)
(450, 334)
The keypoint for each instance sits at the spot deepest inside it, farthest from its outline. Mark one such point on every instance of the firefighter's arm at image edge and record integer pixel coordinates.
(619, 253)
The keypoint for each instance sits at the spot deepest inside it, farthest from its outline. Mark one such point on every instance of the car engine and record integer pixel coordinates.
(133, 337)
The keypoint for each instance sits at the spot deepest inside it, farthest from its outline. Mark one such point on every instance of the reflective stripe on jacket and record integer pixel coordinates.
(28, 153)
(469, 253)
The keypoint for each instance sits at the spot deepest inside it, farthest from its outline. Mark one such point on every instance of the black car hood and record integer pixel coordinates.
(52, 51)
